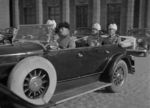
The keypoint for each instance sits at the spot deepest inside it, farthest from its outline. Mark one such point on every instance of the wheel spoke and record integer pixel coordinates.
(26, 85)
(34, 94)
(27, 79)
(45, 81)
(40, 73)
(39, 92)
(43, 76)
(29, 93)
(26, 90)
(42, 87)
(35, 73)
(116, 82)
(30, 75)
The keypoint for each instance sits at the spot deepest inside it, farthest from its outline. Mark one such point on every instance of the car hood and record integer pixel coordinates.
(20, 48)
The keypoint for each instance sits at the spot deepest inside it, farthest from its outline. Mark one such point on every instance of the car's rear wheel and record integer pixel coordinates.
(34, 80)
(118, 76)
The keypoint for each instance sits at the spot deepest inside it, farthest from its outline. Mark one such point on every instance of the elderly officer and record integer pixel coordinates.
(113, 38)
(65, 40)
(95, 39)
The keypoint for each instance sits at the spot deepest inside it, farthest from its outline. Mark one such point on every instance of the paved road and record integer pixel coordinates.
(135, 95)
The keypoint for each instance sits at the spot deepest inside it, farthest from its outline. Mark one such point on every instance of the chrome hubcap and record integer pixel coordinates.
(36, 83)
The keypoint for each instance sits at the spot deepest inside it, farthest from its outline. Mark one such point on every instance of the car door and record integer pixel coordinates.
(92, 60)
(67, 63)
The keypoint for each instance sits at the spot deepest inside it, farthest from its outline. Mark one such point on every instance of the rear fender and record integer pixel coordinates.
(113, 60)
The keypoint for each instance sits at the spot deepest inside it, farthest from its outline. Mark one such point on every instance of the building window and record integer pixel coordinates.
(54, 13)
(27, 11)
(82, 16)
(52, 10)
(113, 13)
(29, 16)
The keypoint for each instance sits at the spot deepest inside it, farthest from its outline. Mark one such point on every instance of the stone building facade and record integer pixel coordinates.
(80, 14)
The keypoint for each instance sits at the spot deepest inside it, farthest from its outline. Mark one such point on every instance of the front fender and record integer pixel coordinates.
(11, 98)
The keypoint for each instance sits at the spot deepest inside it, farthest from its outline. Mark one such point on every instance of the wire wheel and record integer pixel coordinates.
(34, 79)
(118, 75)
(36, 83)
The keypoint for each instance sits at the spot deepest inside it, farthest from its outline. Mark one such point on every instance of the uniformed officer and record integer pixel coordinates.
(113, 38)
(65, 40)
(95, 39)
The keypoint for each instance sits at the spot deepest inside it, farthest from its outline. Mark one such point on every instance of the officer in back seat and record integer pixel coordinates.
(113, 38)
(95, 39)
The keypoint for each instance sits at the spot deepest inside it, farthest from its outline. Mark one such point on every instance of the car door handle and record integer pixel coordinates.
(80, 55)
(107, 52)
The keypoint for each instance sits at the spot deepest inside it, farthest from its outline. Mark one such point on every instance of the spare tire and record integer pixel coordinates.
(33, 79)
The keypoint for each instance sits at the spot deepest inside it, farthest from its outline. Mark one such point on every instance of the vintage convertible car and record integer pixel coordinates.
(33, 76)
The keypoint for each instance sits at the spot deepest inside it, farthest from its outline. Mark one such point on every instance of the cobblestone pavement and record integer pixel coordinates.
(135, 95)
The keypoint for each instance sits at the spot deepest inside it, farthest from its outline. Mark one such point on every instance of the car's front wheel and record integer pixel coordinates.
(34, 80)
(118, 76)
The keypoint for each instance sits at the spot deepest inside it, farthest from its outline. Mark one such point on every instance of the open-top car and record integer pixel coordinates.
(34, 76)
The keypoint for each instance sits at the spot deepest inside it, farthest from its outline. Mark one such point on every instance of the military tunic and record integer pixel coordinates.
(111, 40)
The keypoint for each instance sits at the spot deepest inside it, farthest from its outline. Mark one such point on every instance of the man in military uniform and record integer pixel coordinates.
(113, 38)
(95, 39)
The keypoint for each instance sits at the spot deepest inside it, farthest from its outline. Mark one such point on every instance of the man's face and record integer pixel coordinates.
(64, 31)
(111, 32)
(94, 31)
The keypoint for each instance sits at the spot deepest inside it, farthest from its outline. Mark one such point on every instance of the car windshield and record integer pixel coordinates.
(32, 32)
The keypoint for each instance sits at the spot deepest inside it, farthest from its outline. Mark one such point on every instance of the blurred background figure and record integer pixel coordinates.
(51, 25)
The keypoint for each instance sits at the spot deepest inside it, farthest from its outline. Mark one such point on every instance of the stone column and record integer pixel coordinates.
(39, 11)
(123, 19)
(15, 7)
(148, 15)
(66, 10)
(142, 13)
(103, 14)
(73, 16)
(130, 14)
(96, 11)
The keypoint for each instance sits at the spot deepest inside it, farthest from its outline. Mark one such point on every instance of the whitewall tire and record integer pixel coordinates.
(33, 79)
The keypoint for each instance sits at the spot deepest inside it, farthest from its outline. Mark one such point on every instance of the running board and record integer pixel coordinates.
(73, 93)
